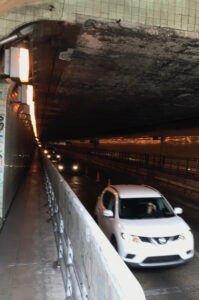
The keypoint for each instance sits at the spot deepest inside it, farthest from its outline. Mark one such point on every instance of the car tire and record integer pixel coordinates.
(114, 243)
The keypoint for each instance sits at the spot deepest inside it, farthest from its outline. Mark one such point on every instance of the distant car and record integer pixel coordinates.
(70, 167)
(53, 155)
(143, 227)
(48, 150)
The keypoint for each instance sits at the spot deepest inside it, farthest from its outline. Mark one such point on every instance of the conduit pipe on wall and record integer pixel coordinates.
(22, 33)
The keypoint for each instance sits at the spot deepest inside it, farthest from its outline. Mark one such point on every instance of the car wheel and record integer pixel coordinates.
(114, 243)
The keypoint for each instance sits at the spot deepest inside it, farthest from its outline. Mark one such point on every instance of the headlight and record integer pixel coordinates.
(58, 156)
(49, 156)
(126, 236)
(75, 167)
(60, 167)
(45, 151)
(132, 238)
(182, 236)
(185, 235)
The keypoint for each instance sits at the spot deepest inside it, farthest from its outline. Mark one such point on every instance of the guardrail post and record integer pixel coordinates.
(196, 166)
(69, 289)
(187, 167)
(84, 292)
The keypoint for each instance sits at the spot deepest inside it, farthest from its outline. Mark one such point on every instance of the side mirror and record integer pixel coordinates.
(108, 213)
(178, 210)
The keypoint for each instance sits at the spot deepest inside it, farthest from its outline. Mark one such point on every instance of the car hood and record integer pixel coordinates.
(161, 227)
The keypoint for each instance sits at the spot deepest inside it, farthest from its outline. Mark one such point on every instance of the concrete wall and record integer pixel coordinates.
(19, 146)
(182, 15)
(3, 96)
(16, 146)
(180, 146)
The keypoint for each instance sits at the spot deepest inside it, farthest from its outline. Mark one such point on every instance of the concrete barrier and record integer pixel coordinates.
(85, 251)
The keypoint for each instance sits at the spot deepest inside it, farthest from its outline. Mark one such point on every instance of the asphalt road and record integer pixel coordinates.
(179, 281)
(159, 283)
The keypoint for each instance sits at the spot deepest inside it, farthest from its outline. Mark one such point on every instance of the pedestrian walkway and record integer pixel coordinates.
(27, 245)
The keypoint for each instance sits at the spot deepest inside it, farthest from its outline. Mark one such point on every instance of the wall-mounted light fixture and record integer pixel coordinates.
(29, 94)
(25, 96)
(26, 109)
(16, 64)
(24, 65)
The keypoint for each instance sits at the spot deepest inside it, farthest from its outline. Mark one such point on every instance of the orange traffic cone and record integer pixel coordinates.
(109, 182)
(98, 177)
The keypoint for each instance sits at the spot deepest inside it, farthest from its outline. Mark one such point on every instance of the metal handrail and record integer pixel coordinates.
(188, 167)
(90, 266)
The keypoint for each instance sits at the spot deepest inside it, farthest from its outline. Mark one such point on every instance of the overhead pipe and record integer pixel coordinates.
(8, 39)
(22, 32)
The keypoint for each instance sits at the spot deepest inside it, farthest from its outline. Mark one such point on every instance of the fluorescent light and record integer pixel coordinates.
(60, 167)
(24, 65)
(29, 94)
(31, 104)
(75, 167)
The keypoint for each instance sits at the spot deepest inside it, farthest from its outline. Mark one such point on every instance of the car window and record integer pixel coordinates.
(144, 208)
(109, 201)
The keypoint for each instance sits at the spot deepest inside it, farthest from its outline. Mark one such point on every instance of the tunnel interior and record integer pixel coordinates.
(97, 79)
(100, 79)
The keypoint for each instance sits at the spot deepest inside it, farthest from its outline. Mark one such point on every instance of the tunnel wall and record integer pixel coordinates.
(3, 95)
(181, 15)
(19, 145)
(180, 185)
(185, 150)
(16, 146)
(180, 146)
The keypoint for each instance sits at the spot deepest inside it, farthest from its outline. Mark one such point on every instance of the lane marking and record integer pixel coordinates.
(171, 290)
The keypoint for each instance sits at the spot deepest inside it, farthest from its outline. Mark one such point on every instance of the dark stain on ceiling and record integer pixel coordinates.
(100, 79)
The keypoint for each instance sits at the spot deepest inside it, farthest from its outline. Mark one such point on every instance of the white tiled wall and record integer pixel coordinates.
(178, 14)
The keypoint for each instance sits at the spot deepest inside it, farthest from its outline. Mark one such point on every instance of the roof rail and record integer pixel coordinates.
(150, 187)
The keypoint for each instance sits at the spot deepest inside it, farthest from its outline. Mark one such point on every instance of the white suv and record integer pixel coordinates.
(143, 227)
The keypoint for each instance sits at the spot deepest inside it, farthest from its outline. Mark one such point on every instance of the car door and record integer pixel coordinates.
(108, 203)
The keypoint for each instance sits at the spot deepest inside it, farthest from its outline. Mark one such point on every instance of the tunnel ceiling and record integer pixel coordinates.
(100, 79)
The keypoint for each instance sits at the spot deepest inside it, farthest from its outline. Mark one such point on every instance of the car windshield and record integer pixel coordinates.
(144, 208)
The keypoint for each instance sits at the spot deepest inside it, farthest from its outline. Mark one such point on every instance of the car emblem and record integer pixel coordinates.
(162, 241)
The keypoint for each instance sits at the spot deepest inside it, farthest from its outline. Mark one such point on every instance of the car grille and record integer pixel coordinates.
(161, 259)
(159, 240)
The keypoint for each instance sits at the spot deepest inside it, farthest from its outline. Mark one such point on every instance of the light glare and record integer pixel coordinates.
(60, 167)
(31, 104)
(75, 167)
(24, 65)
